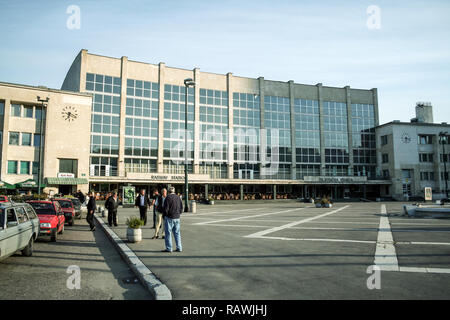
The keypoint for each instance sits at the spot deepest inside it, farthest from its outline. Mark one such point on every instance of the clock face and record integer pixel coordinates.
(69, 113)
(406, 138)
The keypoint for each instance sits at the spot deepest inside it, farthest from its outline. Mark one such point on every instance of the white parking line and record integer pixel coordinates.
(271, 230)
(385, 255)
(318, 240)
(246, 217)
(425, 243)
(219, 212)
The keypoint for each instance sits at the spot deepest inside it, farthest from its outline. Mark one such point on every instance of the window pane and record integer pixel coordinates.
(24, 167)
(15, 110)
(26, 139)
(28, 112)
(12, 167)
(14, 138)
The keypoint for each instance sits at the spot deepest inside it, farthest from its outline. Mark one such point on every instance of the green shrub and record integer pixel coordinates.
(134, 223)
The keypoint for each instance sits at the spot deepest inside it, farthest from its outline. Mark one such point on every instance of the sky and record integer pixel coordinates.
(331, 42)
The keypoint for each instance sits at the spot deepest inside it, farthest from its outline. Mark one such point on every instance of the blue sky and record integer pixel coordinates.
(408, 59)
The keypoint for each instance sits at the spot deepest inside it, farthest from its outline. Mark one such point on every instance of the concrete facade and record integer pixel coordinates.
(63, 138)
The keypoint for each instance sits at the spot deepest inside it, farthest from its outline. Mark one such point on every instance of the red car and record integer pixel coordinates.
(51, 217)
(68, 209)
(4, 199)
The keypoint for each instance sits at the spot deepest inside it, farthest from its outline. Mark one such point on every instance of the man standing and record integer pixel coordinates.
(112, 204)
(159, 204)
(91, 206)
(143, 203)
(155, 198)
(172, 209)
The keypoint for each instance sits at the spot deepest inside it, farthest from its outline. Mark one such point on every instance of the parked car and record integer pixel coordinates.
(19, 228)
(68, 209)
(51, 217)
(77, 206)
(4, 199)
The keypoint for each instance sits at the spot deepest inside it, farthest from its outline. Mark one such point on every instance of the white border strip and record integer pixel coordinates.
(385, 255)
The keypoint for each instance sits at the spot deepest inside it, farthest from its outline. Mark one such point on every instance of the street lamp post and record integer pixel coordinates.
(43, 105)
(187, 83)
(441, 136)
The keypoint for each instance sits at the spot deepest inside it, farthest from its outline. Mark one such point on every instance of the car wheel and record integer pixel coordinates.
(28, 250)
(54, 235)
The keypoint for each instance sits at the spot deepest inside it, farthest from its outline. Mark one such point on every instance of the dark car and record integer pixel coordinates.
(77, 205)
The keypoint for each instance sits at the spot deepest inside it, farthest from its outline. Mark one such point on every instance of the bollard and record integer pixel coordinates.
(193, 206)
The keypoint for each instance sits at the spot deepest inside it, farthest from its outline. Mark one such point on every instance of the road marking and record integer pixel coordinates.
(420, 270)
(385, 255)
(318, 240)
(246, 217)
(271, 230)
(425, 243)
(214, 212)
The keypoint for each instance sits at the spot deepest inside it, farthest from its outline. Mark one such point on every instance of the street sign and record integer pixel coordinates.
(428, 194)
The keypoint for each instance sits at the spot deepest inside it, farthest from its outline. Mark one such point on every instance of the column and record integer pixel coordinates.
(230, 126)
(161, 80)
(242, 192)
(375, 105)
(262, 124)
(293, 145)
(5, 142)
(196, 166)
(206, 191)
(274, 192)
(123, 104)
(322, 126)
(349, 130)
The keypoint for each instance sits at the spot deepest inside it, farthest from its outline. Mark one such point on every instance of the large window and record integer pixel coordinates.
(68, 166)
(102, 83)
(28, 111)
(2, 108)
(364, 139)
(24, 167)
(26, 139)
(14, 138)
(425, 139)
(307, 131)
(36, 140)
(336, 133)
(12, 167)
(16, 110)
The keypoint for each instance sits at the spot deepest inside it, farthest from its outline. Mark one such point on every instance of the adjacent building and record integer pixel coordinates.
(57, 132)
(414, 155)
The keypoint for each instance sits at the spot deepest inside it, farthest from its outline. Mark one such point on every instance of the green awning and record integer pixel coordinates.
(6, 185)
(69, 181)
(30, 183)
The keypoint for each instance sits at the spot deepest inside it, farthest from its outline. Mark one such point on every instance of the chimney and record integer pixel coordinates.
(424, 112)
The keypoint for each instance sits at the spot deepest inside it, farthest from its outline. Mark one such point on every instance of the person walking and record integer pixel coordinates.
(172, 209)
(112, 204)
(159, 205)
(142, 202)
(154, 200)
(91, 206)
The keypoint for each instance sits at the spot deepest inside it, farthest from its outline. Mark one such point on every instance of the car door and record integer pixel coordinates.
(60, 215)
(2, 232)
(11, 233)
(25, 227)
(34, 219)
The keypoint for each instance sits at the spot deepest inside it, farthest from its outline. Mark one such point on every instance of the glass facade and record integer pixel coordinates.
(105, 123)
(174, 128)
(364, 140)
(246, 135)
(336, 138)
(214, 133)
(141, 126)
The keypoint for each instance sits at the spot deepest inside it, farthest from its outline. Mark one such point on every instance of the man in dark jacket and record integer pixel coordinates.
(143, 202)
(112, 204)
(91, 206)
(172, 209)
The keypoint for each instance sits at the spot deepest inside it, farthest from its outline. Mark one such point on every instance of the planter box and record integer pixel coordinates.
(134, 235)
(318, 205)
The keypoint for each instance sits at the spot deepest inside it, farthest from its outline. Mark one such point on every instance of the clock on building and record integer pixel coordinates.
(405, 138)
(69, 113)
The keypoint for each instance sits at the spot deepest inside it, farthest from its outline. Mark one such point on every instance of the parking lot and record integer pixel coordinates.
(44, 275)
(291, 250)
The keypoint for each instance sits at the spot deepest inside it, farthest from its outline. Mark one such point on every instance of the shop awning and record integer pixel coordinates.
(30, 183)
(6, 185)
(69, 181)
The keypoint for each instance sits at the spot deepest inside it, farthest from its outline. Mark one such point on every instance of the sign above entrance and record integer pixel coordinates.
(335, 180)
(166, 177)
(66, 175)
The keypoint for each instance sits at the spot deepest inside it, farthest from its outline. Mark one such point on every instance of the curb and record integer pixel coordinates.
(156, 288)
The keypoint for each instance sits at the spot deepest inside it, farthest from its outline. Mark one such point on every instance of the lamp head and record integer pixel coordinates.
(189, 82)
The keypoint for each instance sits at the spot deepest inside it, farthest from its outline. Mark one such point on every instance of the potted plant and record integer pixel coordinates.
(134, 232)
(210, 200)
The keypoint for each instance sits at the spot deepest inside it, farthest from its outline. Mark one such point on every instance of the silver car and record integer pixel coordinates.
(19, 228)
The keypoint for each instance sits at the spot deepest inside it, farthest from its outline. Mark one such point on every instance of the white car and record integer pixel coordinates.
(19, 228)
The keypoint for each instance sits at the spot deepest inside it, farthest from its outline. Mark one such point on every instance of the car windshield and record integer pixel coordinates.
(65, 204)
(2, 218)
(43, 208)
(76, 202)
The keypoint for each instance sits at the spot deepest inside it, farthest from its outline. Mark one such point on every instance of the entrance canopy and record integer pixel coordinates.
(30, 183)
(6, 185)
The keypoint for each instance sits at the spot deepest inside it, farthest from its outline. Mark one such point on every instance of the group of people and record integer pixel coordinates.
(167, 208)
